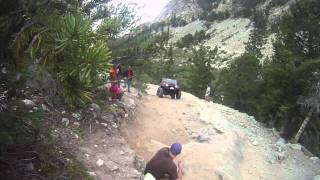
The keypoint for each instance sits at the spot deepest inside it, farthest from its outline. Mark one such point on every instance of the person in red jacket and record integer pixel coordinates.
(115, 91)
(113, 73)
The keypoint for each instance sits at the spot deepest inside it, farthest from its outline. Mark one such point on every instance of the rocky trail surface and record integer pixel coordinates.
(218, 142)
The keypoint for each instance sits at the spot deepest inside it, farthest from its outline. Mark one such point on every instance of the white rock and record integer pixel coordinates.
(121, 152)
(65, 121)
(314, 158)
(104, 124)
(76, 136)
(44, 107)
(95, 146)
(295, 146)
(126, 115)
(255, 143)
(92, 173)
(100, 162)
(76, 115)
(28, 102)
(87, 156)
(76, 123)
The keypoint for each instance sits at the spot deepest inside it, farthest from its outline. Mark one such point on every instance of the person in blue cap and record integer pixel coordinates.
(162, 165)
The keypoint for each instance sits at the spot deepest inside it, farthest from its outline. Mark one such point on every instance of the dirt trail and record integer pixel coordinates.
(218, 142)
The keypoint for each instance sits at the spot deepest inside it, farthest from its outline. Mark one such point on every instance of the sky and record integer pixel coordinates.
(148, 10)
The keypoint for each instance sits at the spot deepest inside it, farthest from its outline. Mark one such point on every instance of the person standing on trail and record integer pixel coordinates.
(113, 73)
(208, 94)
(162, 165)
(128, 74)
(118, 73)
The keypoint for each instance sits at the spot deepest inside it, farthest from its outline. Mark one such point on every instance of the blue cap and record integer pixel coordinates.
(176, 148)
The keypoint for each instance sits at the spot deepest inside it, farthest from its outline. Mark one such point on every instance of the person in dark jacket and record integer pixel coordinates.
(128, 74)
(162, 165)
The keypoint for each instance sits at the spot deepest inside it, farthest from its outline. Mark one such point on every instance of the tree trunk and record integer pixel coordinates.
(303, 125)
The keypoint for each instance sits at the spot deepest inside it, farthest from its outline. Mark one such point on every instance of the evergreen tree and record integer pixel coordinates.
(257, 38)
(239, 84)
(200, 70)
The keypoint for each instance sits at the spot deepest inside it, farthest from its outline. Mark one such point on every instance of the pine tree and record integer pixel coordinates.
(200, 70)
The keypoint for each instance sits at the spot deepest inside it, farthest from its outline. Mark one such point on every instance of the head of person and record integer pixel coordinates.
(175, 149)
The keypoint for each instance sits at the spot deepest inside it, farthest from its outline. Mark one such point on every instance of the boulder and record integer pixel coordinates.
(28, 103)
(42, 80)
(65, 121)
(100, 162)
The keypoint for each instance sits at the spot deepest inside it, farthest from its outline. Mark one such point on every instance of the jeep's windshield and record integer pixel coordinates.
(169, 81)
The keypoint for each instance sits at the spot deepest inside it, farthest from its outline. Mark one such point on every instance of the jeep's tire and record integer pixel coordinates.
(160, 92)
(178, 94)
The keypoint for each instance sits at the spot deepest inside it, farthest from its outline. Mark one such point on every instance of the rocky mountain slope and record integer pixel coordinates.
(228, 34)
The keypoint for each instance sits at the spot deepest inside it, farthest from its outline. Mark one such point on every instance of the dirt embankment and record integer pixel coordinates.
(218, 142)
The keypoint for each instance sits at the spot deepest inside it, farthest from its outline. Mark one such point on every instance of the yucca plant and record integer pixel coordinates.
(69, 48)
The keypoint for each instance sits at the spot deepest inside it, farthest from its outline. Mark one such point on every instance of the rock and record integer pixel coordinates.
(95, 146)
(281, 156)
(76, 136)
(138, 162)
(136, 174)
(255, 143)
(96, 110)
(87, 156)
(104, 124)
(65, 121)
(295, 146)
(92, 173)
(317, 177)
(76, 123)
(121, 152)
(42, 80)
(100, 162)
(280, 145)
(95, 107)
(28, 103)
(314, 158)
(202, 138)
(107, 118)
(76, 115)
(114, 168)
(44, 107)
